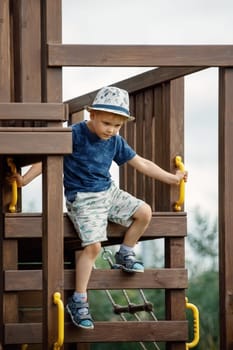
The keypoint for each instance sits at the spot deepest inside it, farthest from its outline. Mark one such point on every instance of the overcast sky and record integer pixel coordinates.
(159, 22)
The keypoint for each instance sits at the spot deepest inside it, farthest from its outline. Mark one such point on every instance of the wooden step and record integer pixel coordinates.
(29, 225)
(20, 333)
(101, 279)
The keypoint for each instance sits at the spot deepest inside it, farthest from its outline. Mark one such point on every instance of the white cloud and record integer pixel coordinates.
(147, 22)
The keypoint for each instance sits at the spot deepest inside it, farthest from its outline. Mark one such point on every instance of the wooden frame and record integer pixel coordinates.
(139, 55)
(29, 77)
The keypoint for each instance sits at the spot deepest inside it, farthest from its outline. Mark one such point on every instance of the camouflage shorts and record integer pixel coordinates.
(90, 212)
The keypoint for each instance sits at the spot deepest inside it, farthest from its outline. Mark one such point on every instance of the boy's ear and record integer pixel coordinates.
(92, 114)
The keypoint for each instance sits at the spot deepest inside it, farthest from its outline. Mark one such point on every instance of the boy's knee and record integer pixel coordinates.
(144, 213)
(93, 249)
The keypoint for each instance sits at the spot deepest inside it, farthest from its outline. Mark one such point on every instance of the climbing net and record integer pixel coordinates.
(130, 307)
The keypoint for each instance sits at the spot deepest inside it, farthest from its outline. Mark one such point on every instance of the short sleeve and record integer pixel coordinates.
(124, 152)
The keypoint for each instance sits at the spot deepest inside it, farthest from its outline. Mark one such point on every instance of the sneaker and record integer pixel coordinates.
(78, 318)
(128, 262)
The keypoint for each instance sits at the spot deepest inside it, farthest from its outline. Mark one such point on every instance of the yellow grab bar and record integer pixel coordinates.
(180, 166)
(24, 346)
(14, 197)
(196, 328)
(60, 339)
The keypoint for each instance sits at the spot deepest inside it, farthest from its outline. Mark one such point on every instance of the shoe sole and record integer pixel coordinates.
(75, 323)
(123, 268)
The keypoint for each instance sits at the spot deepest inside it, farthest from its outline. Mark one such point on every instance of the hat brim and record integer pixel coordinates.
(129, 117)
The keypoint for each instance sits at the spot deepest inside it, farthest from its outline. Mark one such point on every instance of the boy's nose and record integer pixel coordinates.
(110, 130)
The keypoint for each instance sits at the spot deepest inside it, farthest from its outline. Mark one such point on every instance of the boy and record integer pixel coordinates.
(92, 198)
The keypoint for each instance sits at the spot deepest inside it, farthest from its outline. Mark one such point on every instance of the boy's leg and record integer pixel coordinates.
(141, 219)
(77, 306)
(84, 261)
(126, 256)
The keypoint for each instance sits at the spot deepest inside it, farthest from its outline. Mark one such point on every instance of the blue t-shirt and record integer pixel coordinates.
(87, 168)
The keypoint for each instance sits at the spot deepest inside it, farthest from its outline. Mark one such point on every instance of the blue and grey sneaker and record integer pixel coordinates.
(128, 262)
(79, 318)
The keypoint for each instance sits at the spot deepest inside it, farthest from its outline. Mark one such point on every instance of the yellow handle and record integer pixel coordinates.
(24, 346)
(60, 340)
(14, 197)
(180, 166)
(196, 330)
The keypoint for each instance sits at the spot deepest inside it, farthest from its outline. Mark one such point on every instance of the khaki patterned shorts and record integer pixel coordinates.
(90, 212)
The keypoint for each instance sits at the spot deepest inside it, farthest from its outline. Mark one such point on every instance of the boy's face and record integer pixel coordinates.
(105, 124)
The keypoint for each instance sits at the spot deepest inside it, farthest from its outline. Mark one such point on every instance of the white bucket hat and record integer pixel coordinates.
(113, 100)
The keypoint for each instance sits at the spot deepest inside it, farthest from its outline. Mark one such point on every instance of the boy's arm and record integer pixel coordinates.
(151, 169)
(32, 173)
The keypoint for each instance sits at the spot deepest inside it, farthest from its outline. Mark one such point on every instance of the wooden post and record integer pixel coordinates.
(52, 241)
(8, 249)
(225, 206)
(174, 247)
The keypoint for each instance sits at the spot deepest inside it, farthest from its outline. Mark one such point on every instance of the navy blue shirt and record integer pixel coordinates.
(87, 168)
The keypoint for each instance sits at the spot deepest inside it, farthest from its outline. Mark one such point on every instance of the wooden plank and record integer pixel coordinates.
(225, 212)
(9, 303)
(173, 106)
(140, 142)
(5, 59)
(51, 32)
(175, 299)
(131, 331)
(34, 111)
(176, 130)
(23, 280)
(10, 261)
(139, 55)
(23, 333)
(29, 57)
(33, 142)
(19, 225)
(149, 142)
(52, 243)
(24, 130)
(139, 82)
(103, 332)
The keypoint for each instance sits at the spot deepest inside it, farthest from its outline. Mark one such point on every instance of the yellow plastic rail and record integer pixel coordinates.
(24, 346)
(60, 339)
(180, 166)
(14, 197)
(196, 330)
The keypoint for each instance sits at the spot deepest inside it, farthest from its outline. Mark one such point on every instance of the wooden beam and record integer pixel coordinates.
(5, 61)
(136, 83)
(35, 141)
(149, 331)
(34, 111)
(28, 225)
(109, 331)
(139, 55)
(225, 207)
(22, 280)
(52, 189)
(52, 242)
(5, 96)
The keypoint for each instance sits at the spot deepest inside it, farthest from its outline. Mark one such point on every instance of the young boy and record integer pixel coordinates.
(92, 198)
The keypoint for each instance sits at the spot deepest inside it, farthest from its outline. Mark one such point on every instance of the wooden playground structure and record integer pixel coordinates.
(31, 129)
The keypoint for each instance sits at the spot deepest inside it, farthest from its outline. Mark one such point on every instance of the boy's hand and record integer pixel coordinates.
(181, 175)
(15, 177)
